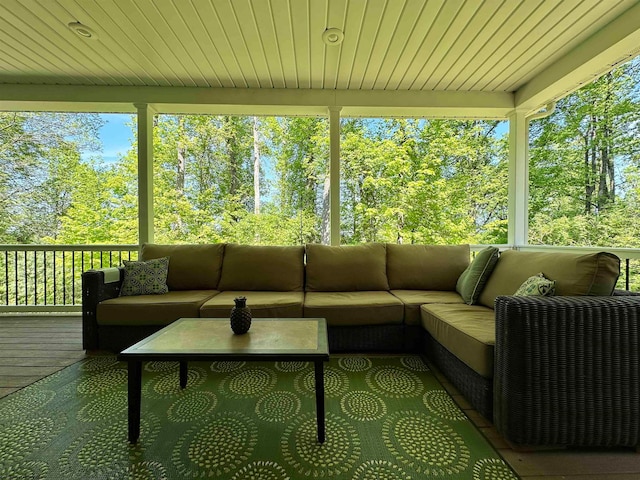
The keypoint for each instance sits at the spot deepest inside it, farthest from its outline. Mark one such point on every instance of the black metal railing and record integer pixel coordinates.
(48, 277)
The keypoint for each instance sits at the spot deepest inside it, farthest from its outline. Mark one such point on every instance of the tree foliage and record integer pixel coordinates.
(584, 165)
(42, 171)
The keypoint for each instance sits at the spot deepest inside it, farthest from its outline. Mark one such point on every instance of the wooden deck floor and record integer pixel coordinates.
(34, 347)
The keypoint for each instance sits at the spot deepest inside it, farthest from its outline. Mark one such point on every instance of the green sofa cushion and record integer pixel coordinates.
(413, 299)
(262, 304)
(157, 310)
(476, 275)
(266, 268)
(467, 331)
(347, 268)
(425, 267)
(574, 273)
(191, 267)
(354, 308)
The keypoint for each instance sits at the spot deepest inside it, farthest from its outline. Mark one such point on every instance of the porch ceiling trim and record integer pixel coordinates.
(254, 101)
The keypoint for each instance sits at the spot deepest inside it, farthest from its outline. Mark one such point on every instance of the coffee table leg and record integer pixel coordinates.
(134, 393)
(319, 377)
(184, 369)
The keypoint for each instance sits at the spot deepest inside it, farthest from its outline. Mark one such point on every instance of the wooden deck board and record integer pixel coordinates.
(38, 346)
(39, 353)
(4, 391)
(11, 381)
(28, 371)
(62, 361)
(595, 462)
(57, 338)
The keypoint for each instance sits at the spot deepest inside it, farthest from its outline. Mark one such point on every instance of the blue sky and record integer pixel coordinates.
(116, 137)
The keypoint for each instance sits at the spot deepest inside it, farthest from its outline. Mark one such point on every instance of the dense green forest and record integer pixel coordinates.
(264, 180)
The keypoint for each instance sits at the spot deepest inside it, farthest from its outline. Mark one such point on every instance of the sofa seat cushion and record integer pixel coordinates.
(413, 299)
(425, 267)
(354, 308)
(262, 304)
(467, 331)
(191, 267)
(152, 309)
(574, 273)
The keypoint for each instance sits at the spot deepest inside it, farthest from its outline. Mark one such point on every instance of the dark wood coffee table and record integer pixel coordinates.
(210, 339)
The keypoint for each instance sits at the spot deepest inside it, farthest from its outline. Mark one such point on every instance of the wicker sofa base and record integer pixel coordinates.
(475, 388)
(115, 338)
(373, 338)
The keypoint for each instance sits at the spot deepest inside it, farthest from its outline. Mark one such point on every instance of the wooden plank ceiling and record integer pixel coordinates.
(486, 45)
(393, 45)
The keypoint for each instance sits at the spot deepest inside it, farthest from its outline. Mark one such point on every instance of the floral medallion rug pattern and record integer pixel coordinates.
(387, 418)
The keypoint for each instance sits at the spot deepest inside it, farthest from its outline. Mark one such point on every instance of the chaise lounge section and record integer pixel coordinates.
(559, 370)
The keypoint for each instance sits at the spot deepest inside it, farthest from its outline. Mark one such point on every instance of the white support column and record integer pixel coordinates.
(334, 173)
(518, 215)
(145, 173)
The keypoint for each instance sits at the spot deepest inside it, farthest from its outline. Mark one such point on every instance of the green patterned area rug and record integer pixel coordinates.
(387, 418)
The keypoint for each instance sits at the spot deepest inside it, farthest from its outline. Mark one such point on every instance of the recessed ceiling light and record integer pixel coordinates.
(83, 31)
(332, 36)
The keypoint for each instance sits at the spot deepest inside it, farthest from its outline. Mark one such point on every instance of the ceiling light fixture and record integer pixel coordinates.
(83, 31)
(332, 36)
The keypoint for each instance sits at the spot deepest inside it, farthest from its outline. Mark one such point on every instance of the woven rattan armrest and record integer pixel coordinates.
(97, 285)
(567, 370)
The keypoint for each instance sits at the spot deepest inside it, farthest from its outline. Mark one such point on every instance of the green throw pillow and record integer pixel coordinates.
(475, 277)
(537, 285)
(145, 278)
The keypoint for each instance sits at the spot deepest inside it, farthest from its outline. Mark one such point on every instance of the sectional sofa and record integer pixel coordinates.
(561, 370)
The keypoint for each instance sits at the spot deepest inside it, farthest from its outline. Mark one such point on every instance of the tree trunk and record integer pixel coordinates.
(182, 159)
(603, 194)
(181, 167)
(588, 176)
(256, 168)
(400, 225)
(234, 163)
(182, 163)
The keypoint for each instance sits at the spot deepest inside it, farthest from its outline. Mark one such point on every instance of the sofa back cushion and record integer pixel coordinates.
(425, 267)
(267, 268)
(191, 267)
(574, 273)
(348, 268)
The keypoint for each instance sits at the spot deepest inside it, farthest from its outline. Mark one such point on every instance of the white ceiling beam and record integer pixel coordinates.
(616, 43)
(256, 101)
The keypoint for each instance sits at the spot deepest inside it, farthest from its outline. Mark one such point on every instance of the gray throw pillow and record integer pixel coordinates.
(475, 277)
(537, 285)
(145, 278)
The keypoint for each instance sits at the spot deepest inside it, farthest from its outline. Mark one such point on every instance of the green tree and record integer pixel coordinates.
(423, 181)
(582, 159)
(40, 154)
